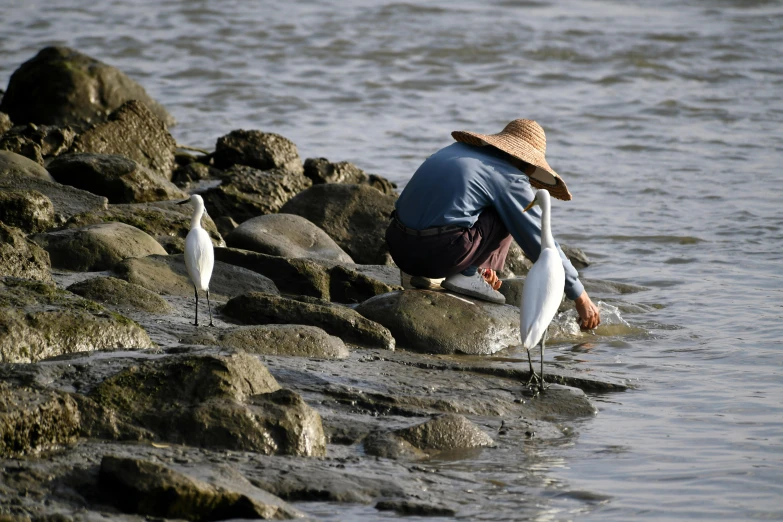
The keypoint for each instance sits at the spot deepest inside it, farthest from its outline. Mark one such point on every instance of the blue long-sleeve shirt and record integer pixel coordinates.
(456, 183)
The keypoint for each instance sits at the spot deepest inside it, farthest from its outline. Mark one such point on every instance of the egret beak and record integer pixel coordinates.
(531, 205)
(183, 202)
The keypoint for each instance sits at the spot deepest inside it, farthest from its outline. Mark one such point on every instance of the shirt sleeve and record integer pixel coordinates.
(525, 227)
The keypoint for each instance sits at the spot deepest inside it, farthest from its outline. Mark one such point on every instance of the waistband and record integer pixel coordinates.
(434, 231)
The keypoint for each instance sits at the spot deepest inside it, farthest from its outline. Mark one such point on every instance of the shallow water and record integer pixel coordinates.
(663, 117)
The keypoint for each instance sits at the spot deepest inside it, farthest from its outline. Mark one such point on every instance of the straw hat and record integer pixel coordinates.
(525, 140)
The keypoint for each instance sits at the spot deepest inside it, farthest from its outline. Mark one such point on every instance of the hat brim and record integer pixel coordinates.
(544, 177)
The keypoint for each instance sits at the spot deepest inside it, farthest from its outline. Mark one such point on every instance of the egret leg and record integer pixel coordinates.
(541, 385)
(196, 290)
(533, 377)
(209, 307)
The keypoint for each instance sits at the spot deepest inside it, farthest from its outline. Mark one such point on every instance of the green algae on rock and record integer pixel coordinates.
(22, 258)
(28, 210)
(121, 294)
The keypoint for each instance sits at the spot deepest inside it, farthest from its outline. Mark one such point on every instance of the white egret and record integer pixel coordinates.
(543, 289)
(199, 253)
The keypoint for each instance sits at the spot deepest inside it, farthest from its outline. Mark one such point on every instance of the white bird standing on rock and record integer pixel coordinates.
(199, 253)
(543, 290)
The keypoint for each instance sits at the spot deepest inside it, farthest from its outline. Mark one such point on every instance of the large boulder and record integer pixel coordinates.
(20, 257)
(258, 308)
(167, 275)
(155, 490)
(135, 132)
(61, 86)
(67, 201)
(28, 210)
(257, 149)
(442, 323)
(355, 216)
(286, 235)
(313, 278)
(119, 179)
(38, 142)
(13, 163)
(120, 294)
(166, 221)
(38, 321)
(293, 340)
(96, 247)
(246, 192)
(230, 402)
(321, 170)
(33, 421)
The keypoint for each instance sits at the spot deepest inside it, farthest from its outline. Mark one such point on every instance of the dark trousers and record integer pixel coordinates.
(485, 245)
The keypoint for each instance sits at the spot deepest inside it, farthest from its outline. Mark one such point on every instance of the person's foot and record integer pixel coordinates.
(425, 283)
(473, 286)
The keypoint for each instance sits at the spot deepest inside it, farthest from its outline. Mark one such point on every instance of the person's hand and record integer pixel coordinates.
(589, 317)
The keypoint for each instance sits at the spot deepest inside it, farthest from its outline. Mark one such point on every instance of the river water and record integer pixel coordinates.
(664, 117)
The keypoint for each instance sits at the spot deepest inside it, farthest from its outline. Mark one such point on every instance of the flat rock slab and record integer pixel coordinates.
(97, 247)
(258, 308)
(167, 275)
(67, 201)
(276, 339)
(120, 294)
(166, 221)
(286, 235)
(38, 321)
(152, 489)
(442, 323)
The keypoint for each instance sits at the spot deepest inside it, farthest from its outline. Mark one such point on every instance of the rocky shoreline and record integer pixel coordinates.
(325, 379)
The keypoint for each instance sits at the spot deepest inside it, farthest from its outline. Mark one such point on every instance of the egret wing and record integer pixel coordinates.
(541, 296)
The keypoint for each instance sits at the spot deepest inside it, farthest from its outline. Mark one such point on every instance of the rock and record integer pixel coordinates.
(577, 257)
(120, 294)
(38, 321)
(286, 235)
(67, 201)
(512, 290)
(13, 163)
(598, 286)
(258, 308)
(408, 508)
(38, 142)
(306, 277)
(33, 421)
(321, 170)
(442, 323)
(61, 86)
(446, 432)
(20, 257)
(28, 210)
(154, 490)
(193, 172)
(167, 275)
(276, 339)
(119, 179)
(247, 192)
(135, 132)
(96, 247)
(388, 446)
(355, 216)
(517, 264)
(225, 225)
(230, 402)
(256, 149)
(166, 221)
(5, 123)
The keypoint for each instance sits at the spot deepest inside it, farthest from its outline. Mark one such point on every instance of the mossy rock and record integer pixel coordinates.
(20, 257)
(121, 294)
(28, 210)
(38, 321)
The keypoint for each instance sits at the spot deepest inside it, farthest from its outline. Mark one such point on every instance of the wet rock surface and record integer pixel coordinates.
(134, 132)
(38, 320)
(286, 235)
(26, 209)
(96, 247)
(119, 179)
(61, 86)
(355, 216)
(167, 275)
(166, 221)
